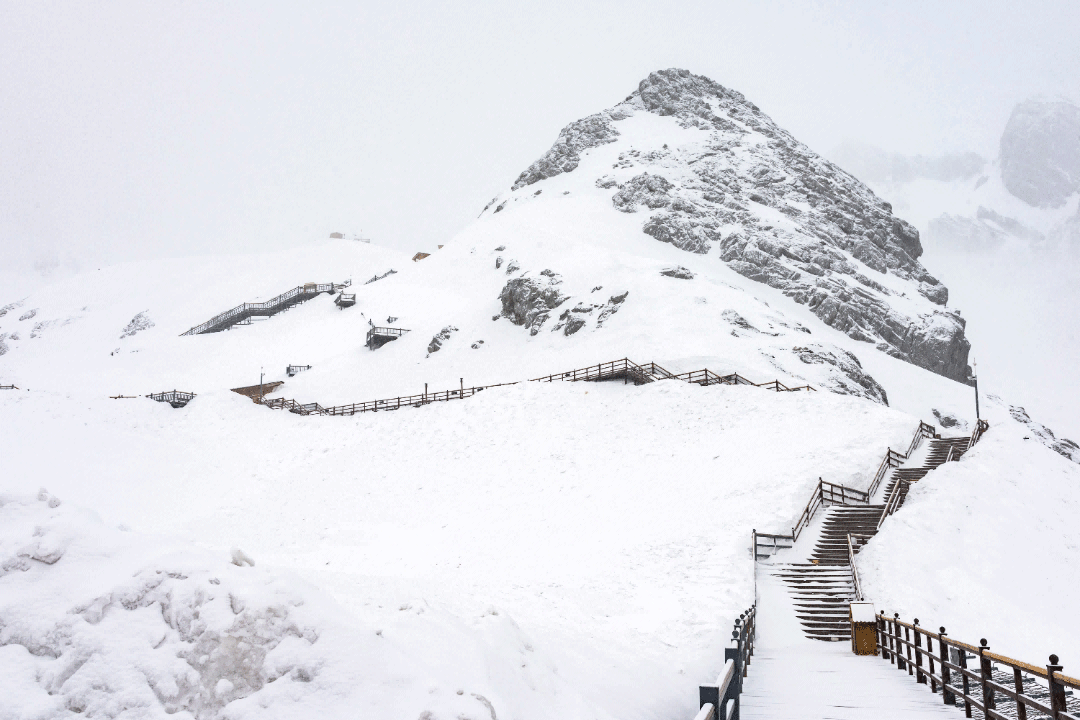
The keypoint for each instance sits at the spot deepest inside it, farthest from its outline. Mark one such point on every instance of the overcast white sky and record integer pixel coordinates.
(137, 129)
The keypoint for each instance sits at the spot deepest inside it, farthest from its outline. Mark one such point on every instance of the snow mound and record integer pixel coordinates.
(105, 623)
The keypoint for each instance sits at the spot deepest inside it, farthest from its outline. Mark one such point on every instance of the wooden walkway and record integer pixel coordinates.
(793, 677)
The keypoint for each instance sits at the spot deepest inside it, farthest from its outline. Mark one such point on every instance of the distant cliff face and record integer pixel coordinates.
(724, 179)
(1040, 152)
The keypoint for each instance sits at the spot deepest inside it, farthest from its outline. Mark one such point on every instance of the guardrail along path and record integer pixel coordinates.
(242, 314)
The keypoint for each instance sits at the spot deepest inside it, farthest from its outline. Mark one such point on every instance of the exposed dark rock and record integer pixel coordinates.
(849, 378)
(737, 320)
(512, 267)
(611, 307)
(138, 323)
(685, 233)
(945, 420)
(9, 307)
(606, 182)
(1040, 152)
(837, 237)
(1062, 446)
(678, 272)
(529, 301)
(498, 262)
(652, 191)
(500, 248)
(565, 154)
(574, 319)
(28, 314)
(440, 337)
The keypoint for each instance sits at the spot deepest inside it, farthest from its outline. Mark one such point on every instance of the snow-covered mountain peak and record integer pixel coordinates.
(710, 173)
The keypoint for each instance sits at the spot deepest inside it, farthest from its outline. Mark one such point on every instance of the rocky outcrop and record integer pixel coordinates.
(1062, 446)
(138, 323)
(440, 337)
(565, 154)
(743, 188)
(528, 301)
(574, 319)
(1040, 152)
(678, 272)
(849, 377)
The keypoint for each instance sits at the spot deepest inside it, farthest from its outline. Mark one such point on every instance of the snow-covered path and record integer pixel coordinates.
(792, 677)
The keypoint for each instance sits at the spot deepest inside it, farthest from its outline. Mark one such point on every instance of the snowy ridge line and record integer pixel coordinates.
(719, 700)
(624, 369)
(273, 306)
(954, 677)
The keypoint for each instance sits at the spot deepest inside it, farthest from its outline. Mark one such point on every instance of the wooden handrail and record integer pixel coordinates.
(624, 368)
(720, 698)
(900, 641)
(312, 289)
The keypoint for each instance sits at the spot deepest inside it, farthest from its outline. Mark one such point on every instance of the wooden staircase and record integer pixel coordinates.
(823, 588)
(940, 451)
(242, 314)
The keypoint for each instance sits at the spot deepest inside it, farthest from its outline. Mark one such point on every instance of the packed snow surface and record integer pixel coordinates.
(539, 550)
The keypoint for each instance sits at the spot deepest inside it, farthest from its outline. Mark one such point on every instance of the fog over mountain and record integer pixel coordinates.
(1004, 234)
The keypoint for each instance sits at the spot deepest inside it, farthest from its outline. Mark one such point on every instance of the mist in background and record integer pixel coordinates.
(131, 130)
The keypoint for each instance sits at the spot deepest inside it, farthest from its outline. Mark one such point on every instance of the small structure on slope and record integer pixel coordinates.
(420, 256)
(176, 398)
(343, 301)
(255, 392)
(292, 370)
(379, 336)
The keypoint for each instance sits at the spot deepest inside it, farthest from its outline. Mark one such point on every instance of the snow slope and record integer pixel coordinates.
(559, 550)
(588, 540)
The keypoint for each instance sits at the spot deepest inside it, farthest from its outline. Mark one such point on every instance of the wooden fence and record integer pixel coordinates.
(8, 387)
(272, 306)
(825, 493)
(719, 700)
(998, 688)
(624, 369)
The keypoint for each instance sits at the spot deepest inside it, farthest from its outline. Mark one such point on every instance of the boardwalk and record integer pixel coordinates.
(792, 677)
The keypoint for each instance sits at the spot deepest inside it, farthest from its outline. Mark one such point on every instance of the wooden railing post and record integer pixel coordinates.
(907, 650)
(882, 642)
(930, 658)
(900, 664)
(947, 695)
(1057, 689)
(1018, 685)
(986, 673)
(965, 681)
(737, 636)
(919, 676)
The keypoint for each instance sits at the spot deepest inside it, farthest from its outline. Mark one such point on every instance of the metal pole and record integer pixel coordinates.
(260, 385)
(975, 381)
